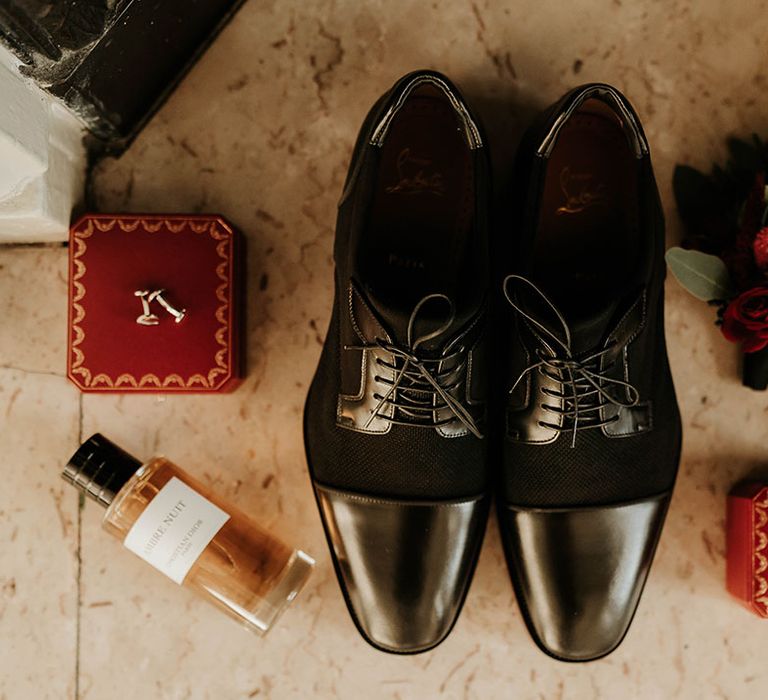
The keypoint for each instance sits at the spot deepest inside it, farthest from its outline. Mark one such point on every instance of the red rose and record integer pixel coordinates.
(740, 255)
(760, 246)
(745, 319)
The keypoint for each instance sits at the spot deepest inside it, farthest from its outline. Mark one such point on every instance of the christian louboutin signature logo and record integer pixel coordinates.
(415, 177)
(580, 191)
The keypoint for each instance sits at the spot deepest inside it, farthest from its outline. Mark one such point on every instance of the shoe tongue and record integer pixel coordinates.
(587, 328)
(432, 315)
(588, 331)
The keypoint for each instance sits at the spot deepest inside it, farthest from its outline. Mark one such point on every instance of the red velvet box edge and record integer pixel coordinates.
(740, 546)
(237, 362)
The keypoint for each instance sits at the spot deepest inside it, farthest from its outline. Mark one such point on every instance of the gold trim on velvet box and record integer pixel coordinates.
(219, 373)
(760, 555)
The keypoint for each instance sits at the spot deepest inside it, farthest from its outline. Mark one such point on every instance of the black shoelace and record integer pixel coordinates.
(421, 386)
(582, 379)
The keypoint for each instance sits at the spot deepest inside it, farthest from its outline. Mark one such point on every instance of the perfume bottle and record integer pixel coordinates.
(195, 538)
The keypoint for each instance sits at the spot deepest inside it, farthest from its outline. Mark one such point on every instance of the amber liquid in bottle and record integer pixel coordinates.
(245, 571)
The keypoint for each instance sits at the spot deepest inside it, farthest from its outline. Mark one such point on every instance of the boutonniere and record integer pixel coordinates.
(724, 255)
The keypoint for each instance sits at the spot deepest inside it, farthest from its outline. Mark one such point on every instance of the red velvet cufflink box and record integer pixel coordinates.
(747, 545)
(114, 345)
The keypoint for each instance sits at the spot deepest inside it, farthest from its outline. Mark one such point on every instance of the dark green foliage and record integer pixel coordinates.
(710, 205)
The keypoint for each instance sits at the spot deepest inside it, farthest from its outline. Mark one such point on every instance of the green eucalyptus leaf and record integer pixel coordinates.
(705, 276)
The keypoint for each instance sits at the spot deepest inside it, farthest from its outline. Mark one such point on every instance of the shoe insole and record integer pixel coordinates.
(588, 238)
(422, 204)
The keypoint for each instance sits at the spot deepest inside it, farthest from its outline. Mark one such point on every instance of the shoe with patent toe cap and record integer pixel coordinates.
(591, 433)
(395, 419)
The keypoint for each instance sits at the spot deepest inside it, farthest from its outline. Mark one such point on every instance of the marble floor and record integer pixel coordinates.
(261, 131)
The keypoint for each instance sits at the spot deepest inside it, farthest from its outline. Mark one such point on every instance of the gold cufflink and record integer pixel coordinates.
(147, 318)
(177, 314)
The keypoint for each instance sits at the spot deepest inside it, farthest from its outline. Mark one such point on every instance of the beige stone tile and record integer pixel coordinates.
(38, 536)
(261, 131)
(33, 299)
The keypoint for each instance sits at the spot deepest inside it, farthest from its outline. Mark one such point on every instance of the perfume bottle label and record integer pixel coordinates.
(174, 529)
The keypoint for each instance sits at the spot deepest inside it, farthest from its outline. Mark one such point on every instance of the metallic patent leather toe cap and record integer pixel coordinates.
(404, 566)
(579, 573)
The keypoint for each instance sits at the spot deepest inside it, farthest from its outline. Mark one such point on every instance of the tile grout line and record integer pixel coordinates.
(41, 372)
(80, 504)
(79, 590)
(33, 244)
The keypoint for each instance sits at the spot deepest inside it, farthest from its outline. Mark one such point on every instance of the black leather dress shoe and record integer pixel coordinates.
(592, 429)
(395, 416)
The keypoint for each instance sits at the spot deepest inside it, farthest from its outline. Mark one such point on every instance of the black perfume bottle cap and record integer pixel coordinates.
(100, 469)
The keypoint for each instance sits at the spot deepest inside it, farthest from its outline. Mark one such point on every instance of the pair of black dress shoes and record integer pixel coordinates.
(530, 364)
